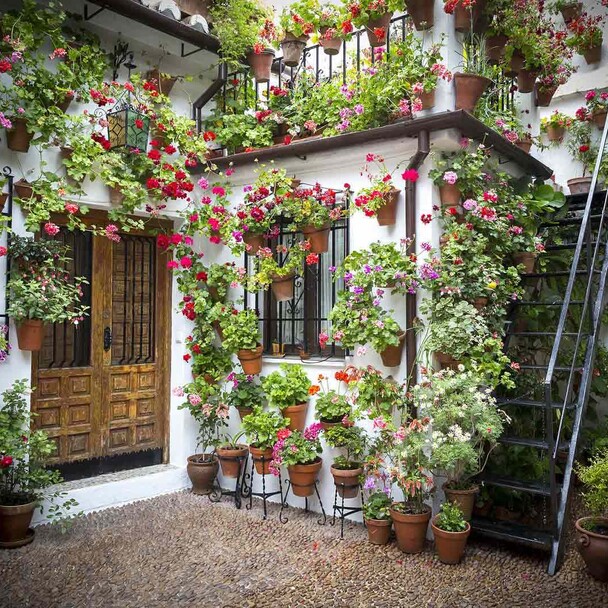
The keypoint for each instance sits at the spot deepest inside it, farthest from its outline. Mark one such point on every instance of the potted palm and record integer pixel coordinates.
(347, 469)
(288, 389)
(241, 334)
(451, 531)
(261, 428)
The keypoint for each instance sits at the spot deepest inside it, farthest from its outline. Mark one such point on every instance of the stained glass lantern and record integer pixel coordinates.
(127, 127)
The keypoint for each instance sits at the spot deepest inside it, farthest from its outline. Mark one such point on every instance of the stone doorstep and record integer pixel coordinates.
(121, 488)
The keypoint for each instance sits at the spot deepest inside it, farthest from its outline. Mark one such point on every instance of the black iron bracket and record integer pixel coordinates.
(183, 54)
(88, 16)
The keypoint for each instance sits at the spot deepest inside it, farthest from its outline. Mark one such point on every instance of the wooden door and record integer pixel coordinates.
(103, 388)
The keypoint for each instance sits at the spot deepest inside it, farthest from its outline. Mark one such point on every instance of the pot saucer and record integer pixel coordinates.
(15, 544)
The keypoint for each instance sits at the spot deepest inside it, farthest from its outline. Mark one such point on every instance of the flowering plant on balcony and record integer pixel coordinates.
(465, 168)
(586, 32)
(596, 102)
(333, 21)
(296, 447)
(298, 19)
(362, 11)
(310, 206)
(5, 347)
(240, 330)
(372, 197)
(333, 404)
(210, 216)
(244, 131)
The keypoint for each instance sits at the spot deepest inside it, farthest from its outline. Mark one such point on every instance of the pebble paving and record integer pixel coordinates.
(181, 550)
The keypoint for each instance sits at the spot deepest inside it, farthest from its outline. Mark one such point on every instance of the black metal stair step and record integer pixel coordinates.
(513, 532)
(558, 405)
(557, 368)
(556, 303)
(529, 442)
(529, 487)
(580, 200)
(552, 334)
(570, 220)
(566, 246)
(556, 273)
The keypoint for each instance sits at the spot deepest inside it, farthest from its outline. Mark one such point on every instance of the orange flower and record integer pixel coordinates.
(314, 389)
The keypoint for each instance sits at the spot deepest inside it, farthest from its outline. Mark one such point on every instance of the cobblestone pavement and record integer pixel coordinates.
(181, 550)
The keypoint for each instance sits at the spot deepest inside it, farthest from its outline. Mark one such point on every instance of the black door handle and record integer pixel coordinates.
(107, 338)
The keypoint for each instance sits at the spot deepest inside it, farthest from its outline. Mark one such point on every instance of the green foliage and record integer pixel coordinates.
(595, 479)
(245, 392)
(450, 518)
(377, 506)
(353, 439)
(298, 447)
(332, 407)
(378, 395)
(243, 131)
(240, 330)
(286, 386)
(261, 428)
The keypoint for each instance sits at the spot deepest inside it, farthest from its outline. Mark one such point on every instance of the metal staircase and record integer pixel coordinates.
(554, 331)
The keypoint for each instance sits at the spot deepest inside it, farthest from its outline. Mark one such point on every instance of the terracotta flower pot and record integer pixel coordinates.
(411, 529)
(318, 237)
(450, 546)
(446, 361)
(244, 411)
(283, 288)
(202, 470)
(296, 415)
(543, 96)
(593, 547)
(495, 48)
(14, 524)
(378, 530)
(427, 100)
(261, 459)
(555, 133)
(331, 46)
(527, 259)
(469, 89)
(593, 54)
(579, 185)
(571, 11)
(347, 481)
(391, 355)
(422, 13)
(3, 199)
(524, 144)
(465, 499)
(328, 424)
(374, 26)
(251, 360)
(18, 139)
(464, 18)
(303, 477)
(480, 303)
(517, 61)
(387, 214)
(30, 333)
(599, 118)
(256, 241)
(293, 48)
(261, 64)
(229, 460)
(165, 83)
(23, 189)
(526, 80)
(450, 195)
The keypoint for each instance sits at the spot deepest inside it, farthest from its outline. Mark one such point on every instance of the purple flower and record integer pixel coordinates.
(311, 432)
(426, 246)
(332, 269)
(427, 272)
(348, 277)
(370, 483)
(367, 269)
(359, 109)
(358, 290)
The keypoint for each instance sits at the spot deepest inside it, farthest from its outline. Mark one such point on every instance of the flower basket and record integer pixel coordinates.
(202, 470)
(15, 525)
(465, 499)
(283, 288)
(579, 185)
(256, 241)
(379, 25)
(450, 195)
(292, 48)
(527, 259)
(303, 477)
(593, 54)
(296, 415)
(543, 96)
(599, 118)
(261, 64)
(495, 48)
(346, 481)
(450, 545)
(410, 529)
(422, 13)
(18, 138)
(261, 459)
(230, 460)
(593, 547)
(331, 46)
(391, 355)
(427, 100)
(165, 84)
(318, 238)
(571, 11)
(469, 89)
(526, 80)
(387, 214)
(30, 333)
(378, 530)
(251, 360)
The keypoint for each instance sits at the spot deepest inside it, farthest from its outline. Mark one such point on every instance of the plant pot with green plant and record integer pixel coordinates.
(451, 531)
(475, 74)
(242, 335)
(297, 24)
(586, 36)
(328, 23)
(555, 126)
(377, 517)
(287, 389)
(246, 393)
(347, 470)
(232, 455)
(261, 428)
(597, 106)
(582, 149)
(375, 16)
(332, 405)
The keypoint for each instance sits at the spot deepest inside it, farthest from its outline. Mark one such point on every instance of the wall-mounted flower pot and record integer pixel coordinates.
(579, 185)
(331, 46)
(230, 460)
(517, 61)
(303, 477)
(495, 48)
(15, 525)
(256, 241)
(251, 360)
(526, 80)
(202, 470)
(3, 199)
(571, 11)
(593, 54)
(283, 288)
(346, 481)
(116, 196)
(555, 133)
(410, 529)
(296, 415)
(524, 144)
(599, 118)
(469, 89)
(450, 195)
(292, 48)
(244, 411)
(30, 333)
(328, 424)
(261, 64)
(378, 530)
(391, 355)
(387, 214)
(318, 238)
(378, 26)
(261, 459)
(543, 96)
(527, 259)
(165, 83)
(65, 103)
(23, 189)
(18, 139)
(465, 499)
(465, 18)
(593, 546)
(427, 100)
(450, 546)
(422, 13)
(218, 328)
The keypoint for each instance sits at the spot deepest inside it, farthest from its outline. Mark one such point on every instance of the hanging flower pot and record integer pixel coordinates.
(465, 17)
(65, 103)
(318, 238)
(165, 82)
(378, 530)
(116, 196)
(527, 259)
(244, 411)
(292, 48)
(469, 89)
(450, 545)
(544, 96)
(555, 132)
(465, 499)
(422, 13)
(593, 545)
(450, 195)
(296, 415)
(495, 48)
(30, 333)
(282, 288)
(331, 46)
(579, 185)
(427, 99)
(593, 54)
(261, 459)
(387, 214)
(202, 470)
(15, 525)
(571, 11)
(251, 360)
(517, 61)
(23, 189)
(391, 355)
(261, 64)
(410, 529)
(525, 144)
(599, 118)
(256, 241)
(303, 477)
(526, 80)
(18, 138)
(347, 481)
(377, 30)
(231, 459)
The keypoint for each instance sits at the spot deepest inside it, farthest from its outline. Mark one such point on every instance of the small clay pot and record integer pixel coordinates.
(579, 185)
(30, 333)
(251, 360)
(3, 199)
(165, 83)
(450, 546)
(331, 46)
(292, 48)
(202, 470)
(329, 424)
(527, 259)
(378, 530)
(464, 18)
(469, 89)
(495, 48)
(422, 13)
(261, 459)
(116, 196)
(318, 238)
(517, 61)
(18, 138)
(347, 481)
(283, 288)
(446, 361)
(15, 523)
(555, 133)
(524, 144)
(296, 415)
(526, 80)
(450, 195)
(231, 459)
(480, 303)
(543, 96)
(244, 411)
(387, 214)
(593, 54)
(261, 64)
(382, 22)
(593, 547)
(256, 241)
(303, 477)
(465, 499)
(427, 100)
(411, 529)
(599, 118)
(391, 355)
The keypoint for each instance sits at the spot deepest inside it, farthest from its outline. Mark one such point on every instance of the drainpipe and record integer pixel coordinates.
(209, 93)
(410, 230)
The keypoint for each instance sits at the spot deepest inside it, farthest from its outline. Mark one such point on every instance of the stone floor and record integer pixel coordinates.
(181, 550)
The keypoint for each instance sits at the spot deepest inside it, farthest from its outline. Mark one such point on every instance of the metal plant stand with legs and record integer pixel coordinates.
(217, 492)
(248, 486)
(321, 521)
(341, 509)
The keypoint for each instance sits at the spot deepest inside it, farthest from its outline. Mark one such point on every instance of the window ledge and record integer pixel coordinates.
(332, 362)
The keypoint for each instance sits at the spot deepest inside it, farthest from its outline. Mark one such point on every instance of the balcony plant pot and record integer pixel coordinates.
(214, 294)
(527, 259)
(261, 459)
(427, 99)
(495, 48)
(251, 360)
(555, 133)
(18, 138)
(165, 83)
(318, 237)
(202, 470)
(256, 241)
(480, 303)
(231, 459)
(465, 499)
(303, 477)
(391, 355)
(387, 214)
(579, 185)
(450, 546)
(65, 103)
(261, 64)
(293, 47)
(593, 54)
(465, 18)
(346, 481)
(378, 530)
(450, 195)
(422, 13)
(381, 23)
(593, 546)
(543, 96)
(571, 11)
(282, 288)
(599, 118)
(296, 415)
(30, 333)
(524, 144)
(446, 361)
(15, 525)
(410, 529)
(526, 80)
(517, 61)
(469, 89)
(331, 46)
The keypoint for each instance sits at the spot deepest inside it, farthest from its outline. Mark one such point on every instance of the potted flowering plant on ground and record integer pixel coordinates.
(377, 515)
(288, 389)
(451, 531)
(347, 469)
(332, 405)
(299, 452)
(297, 24)
(241, 334)
(597, 106)
(261, 428)
(555, 125)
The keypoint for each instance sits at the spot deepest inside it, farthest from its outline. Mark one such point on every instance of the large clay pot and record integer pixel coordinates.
(381, 23)
(261, 459)
(422, 13)
(526, 80)
(282, 288)
(18, 139)
(469, 89)
(427, 100)
(527, 259)
(387, 214)
(30, 333)
(593, 547)
(450, 195)
(14, 524)
(256, 241)
(593, 54)
(293, 48)
(347, 481)
(261, 64)
(450, 545)
(296, 415)
(555, 133)
(599, 118)
(202, 470)
(378, 530)
(495, 48)
(571, 11)
(165, 83)
(579, 185)
(251, 360)
(231, 459)
(544, 96)
(331, 46)
(411, 529)
(303, 477)
(391, 355)
(465, 499)
(318, 237)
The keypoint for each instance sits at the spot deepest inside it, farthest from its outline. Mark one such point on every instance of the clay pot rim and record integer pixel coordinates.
(312, 229)
(298, 405)
(23, 507)
(267, 51)
(332, 468)
(446, 532)
(250, 353)
(582, 530)
(209, 458)
(253, 446)
(378, 522)
(240, 449)
(427, 510)
(473, 490)
(317, 461)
